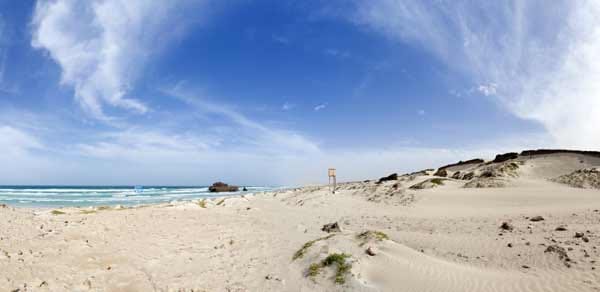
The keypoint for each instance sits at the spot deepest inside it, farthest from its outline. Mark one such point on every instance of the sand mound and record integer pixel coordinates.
(331, 262)
(391, 192)
(493, 175)
(428, 184)
(583, 178)
(372, 261)
(486, 183)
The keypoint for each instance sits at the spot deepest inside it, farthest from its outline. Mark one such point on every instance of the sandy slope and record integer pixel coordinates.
(443, 237)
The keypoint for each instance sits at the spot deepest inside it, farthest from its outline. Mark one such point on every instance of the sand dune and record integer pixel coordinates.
(452, 236)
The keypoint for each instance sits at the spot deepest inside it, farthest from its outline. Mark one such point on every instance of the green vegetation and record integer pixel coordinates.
(372, 235)
(88, 211)
(437, 181)
(343, 268)
(56, 212)
(221, 202)
(314, 270)
(300, 253)
(337, 259)
(202, 203)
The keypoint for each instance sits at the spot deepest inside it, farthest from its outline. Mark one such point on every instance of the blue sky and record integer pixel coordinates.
(274, 92)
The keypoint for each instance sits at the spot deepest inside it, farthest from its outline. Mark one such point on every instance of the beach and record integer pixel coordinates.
(507, 226)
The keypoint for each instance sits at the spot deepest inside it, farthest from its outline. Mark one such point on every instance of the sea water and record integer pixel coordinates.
(84, 196)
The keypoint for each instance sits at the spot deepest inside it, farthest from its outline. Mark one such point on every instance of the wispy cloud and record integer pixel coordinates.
(544, 63)
(153, 156)
(281, 39)
(319, 107)
(288, 106)
(102, 45)
(14, 141)
(487, 89)
(337, 53)
(265, 138)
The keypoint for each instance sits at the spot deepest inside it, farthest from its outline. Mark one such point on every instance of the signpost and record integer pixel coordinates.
(331, 174)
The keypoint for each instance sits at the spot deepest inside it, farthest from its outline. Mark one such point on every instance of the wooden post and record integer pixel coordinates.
(331, 174)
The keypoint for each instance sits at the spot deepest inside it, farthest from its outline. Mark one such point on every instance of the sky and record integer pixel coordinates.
(265, 92)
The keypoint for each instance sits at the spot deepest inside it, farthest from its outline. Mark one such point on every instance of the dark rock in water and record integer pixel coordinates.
(222, 187)
(331, 227)
(393, 176)
(441, 172)
(504, 157)
(506, 226)
(536, 219)
(245, 189)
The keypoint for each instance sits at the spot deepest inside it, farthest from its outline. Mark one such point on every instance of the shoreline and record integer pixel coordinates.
(84, 197)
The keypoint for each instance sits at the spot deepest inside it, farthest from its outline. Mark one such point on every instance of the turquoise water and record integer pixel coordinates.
(84, 196)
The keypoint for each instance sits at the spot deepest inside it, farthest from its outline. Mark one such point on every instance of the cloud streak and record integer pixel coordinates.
(262, 138)
(320, 107)
(544, 64)
(102, 45)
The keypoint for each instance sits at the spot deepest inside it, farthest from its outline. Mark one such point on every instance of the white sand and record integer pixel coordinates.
(442, 238)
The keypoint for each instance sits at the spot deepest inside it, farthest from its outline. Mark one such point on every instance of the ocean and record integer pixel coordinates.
(85, 196)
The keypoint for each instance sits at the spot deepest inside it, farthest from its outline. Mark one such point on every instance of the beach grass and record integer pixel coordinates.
(314, 270)
(335, 259)
(300, 253)
(57, 212)
(437, 181)
(371, 234)
(343, 267)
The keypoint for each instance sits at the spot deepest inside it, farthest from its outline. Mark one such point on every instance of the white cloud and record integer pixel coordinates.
(487, 89)
(288, 106)
(320, 107)
(102, 45)
(15, 142)
(544, 62)
(421, 112)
